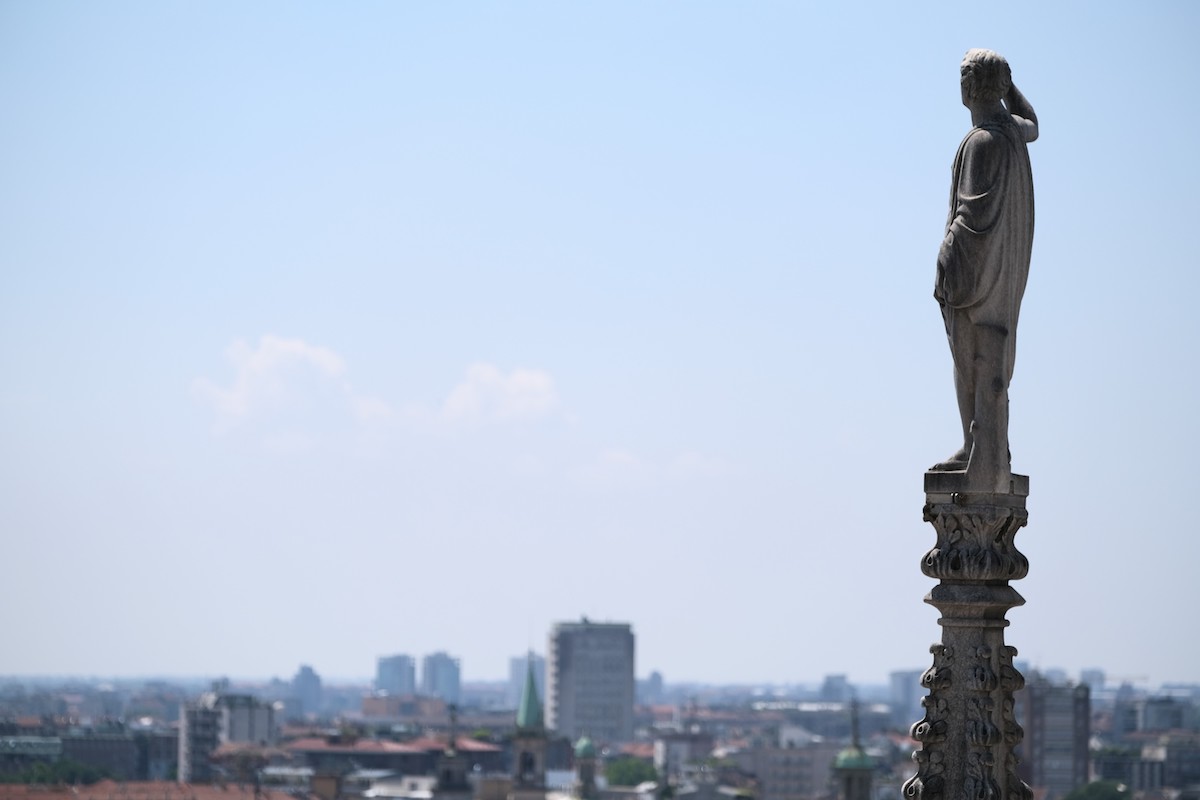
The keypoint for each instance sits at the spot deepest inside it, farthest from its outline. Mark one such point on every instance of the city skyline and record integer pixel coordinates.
(809, 683)
(334, 332)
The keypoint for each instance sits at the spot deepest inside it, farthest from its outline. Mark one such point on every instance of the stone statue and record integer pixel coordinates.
(983, 263)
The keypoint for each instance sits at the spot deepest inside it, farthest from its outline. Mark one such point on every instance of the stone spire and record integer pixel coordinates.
(969, 733)
(529, 745)
(529, 712)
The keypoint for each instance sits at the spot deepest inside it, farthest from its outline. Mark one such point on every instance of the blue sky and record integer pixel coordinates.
(334, 331)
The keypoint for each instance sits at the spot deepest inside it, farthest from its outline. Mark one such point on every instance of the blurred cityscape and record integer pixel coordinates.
(572, 723)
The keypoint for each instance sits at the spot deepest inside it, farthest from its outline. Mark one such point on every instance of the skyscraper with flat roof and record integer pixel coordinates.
(306, 686)
(589, 680)
(1054, 754)
(440, 677)
(396, 675)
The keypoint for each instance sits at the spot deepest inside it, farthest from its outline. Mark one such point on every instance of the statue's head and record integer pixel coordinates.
(986, 77)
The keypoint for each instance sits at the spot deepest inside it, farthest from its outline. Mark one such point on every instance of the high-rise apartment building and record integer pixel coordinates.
(198, 739)
(904, 697)
(306, 687)
(1057, 721)
(216, 718)
(589, 680)
(396, 675)
(441, 677)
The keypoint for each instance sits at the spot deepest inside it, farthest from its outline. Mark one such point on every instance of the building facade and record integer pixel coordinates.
(904, 696)
(441, 677)
(803, 772)
(306, 688)
(215, 719)
(198, 724)
(589, 680)
(1057, 720)
(396, 675)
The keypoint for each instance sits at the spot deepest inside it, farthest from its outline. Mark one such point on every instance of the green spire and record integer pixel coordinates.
(529, 713)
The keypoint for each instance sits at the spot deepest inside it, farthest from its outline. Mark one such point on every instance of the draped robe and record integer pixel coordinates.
(983, 264)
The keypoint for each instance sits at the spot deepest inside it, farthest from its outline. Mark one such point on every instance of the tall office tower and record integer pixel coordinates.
(306, 686)
(396, 675)
(589, 680)
(440, 677)
(905, 696)
(517, 667)
(1057, 722)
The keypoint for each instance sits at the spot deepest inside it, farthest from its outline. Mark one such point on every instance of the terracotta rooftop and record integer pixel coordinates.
(637, 749)
(228, 749)
(462, 744)
(318, 744)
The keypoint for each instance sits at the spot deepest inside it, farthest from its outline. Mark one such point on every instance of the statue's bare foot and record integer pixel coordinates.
(955, 463)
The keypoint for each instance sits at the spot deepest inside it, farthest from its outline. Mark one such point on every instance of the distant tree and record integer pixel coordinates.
(1100, 790)
(629, 772)
(64, 771)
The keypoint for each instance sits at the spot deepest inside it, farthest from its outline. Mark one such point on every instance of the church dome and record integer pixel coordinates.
(853, 758)
(584, 748)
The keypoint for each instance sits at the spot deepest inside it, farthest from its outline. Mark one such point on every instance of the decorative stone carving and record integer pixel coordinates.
(979, 783)
(929, 782)
(983, 678)
(980, 728)
(938, 676)
(969, 728)
(1010, 679)
(1017, 789)
(975, 543)
(934, 726)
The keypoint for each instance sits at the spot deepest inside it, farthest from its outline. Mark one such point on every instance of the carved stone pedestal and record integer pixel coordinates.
(969, 730)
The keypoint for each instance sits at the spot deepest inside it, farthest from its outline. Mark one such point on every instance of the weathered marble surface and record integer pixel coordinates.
(983, 263)
(969, 732)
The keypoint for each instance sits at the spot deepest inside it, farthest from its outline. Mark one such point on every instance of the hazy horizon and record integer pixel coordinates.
(332, 331)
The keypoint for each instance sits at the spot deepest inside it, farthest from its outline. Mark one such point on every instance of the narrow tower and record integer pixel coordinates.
(854, 768)
(452, 780)
(585, 769)
(529, 745)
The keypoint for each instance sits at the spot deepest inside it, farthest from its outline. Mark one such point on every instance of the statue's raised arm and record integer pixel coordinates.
(983, 264)
(1023, 114)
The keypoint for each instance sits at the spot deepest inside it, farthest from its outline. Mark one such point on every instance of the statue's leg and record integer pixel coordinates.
(964, 389)
(960, 333)
(989, 468)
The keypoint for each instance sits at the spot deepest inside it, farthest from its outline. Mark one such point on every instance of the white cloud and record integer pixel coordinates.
(279, 374)
(291, 391)
(487, 394)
